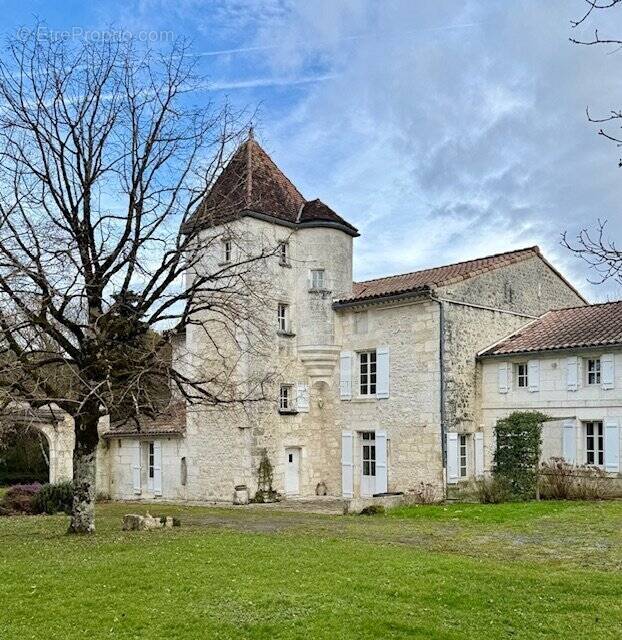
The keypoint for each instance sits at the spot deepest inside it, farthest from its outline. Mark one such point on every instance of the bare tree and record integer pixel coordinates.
(104, 162)
(593, 246)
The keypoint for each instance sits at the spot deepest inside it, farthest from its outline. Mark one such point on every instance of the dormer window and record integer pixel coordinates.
(226, 250)
(283, 253)
(317, 279)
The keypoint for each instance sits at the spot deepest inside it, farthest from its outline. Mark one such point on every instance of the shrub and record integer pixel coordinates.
(53, 498)
(265, 477)
(560, 480)
(372, 510)
(517, 453)
(426, 493)
(19, 498)
(492, 490)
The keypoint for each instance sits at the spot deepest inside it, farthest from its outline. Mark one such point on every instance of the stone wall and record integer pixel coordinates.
(529, 286)
(411, 414)
(588, 402)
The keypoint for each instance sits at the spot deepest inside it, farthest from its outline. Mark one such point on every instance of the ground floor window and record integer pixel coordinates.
(462, 455)
(151, 462)
(594, 443)
(369, 453)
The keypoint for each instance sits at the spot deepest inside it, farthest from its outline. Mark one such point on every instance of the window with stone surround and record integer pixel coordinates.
(594, 443)
(286, 398)
(522, 375)
(283, 253)
(593, 371)
(462, 454)
(226, 250)
(367, 373)
(318, 282)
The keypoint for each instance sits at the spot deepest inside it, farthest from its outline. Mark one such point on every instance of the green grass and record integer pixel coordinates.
(534, 570)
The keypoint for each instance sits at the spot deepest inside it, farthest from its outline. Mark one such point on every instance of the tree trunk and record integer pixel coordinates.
(84, 470)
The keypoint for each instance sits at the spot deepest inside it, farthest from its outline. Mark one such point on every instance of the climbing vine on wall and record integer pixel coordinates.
(517, 454)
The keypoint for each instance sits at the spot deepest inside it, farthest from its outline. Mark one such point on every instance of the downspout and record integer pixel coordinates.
(441, 362)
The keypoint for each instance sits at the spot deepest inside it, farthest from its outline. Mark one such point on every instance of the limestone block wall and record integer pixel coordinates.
(119, 456)
(468, 330)
(529, 286)
(588, 402)
(411, 414)
(224, 445)
(515, 294)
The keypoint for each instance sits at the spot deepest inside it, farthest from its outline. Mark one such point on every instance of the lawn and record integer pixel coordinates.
(535, 570)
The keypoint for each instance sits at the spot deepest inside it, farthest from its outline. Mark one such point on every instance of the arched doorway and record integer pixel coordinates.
(24, 455)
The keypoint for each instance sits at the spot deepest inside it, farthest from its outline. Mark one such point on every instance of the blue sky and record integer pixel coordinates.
(442, 130)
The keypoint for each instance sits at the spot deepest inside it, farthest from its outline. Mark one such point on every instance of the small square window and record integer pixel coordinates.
(593, 371)
(317, 279)
(286, 393)
(522, 375)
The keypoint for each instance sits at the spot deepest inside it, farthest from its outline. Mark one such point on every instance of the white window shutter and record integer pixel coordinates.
(345, 375)
(157, 468)
(302, 398)
(572, 373)
(382, 372)
(136, 466)
(381, 462)
(607, 372)
(569, 442)
(478, 450)
(612, 446)
(533, 375)
(452, 458)
(502, 377)
(347, 464)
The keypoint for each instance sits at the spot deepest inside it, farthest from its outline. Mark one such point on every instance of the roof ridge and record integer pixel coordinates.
(588, 306)
(534, 248)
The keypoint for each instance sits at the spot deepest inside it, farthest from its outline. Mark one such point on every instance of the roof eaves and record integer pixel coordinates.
(421, 291)
(561, 349)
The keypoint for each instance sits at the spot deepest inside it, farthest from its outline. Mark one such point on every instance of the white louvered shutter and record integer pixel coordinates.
(302, 398)
(478, 450)
(612, 446)
(569, 441)
(347, 464)
(382, 372)
(452, 458)
(503, 377)
(157, 468)
(572, 373)
(381, 462)
(345, 375)
(607, 371)
(533, 373)
(136, 466)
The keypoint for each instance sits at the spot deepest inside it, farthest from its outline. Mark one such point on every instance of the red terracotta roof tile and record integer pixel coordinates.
(171, 421)
(251, 181)
(590, 326)
(438, 276)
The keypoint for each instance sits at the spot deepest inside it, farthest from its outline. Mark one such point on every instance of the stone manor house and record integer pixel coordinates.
(387, 385)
